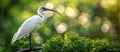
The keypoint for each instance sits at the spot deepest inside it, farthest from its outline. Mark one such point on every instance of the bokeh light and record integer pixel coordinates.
(107, 3)
(50, 6)
(106, 26)
(60, 8)
(37, 38)
(83, 19)
(61, 28)
(97, 20)
(113, 31)
(70, 12)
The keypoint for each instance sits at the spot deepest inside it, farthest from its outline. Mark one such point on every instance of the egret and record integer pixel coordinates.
(31, 25)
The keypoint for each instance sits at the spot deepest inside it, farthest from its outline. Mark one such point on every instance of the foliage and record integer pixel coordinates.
(1, 48)
(105, 46)
(72, 42)
(54, 44)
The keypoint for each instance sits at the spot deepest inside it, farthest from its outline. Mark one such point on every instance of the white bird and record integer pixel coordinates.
(31, 24)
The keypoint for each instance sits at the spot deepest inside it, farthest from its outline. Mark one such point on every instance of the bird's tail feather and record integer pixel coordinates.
(17, 36)
(14, 38)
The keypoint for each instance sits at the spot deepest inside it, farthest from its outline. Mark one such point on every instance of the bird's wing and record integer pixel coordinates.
(27, 27)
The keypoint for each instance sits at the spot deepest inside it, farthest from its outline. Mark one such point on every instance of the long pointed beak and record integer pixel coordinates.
(52, 10)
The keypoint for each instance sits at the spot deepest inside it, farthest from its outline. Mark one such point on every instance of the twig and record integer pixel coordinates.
(32, 49)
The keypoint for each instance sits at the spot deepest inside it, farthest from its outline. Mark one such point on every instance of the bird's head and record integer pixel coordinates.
(41, 9)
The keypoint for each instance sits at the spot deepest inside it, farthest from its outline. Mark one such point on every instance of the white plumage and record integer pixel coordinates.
(31, 24)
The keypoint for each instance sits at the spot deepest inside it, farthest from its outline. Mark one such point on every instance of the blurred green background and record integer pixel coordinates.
(96, 19)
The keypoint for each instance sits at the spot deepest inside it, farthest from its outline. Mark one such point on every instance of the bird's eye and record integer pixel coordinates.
(43, 8)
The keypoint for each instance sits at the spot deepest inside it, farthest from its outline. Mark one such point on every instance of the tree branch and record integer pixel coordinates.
(32, 49)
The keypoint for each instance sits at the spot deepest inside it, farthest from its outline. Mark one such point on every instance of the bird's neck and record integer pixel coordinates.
(43, 16)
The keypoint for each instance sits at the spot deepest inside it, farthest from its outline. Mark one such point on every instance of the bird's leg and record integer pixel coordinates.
(30, 41)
